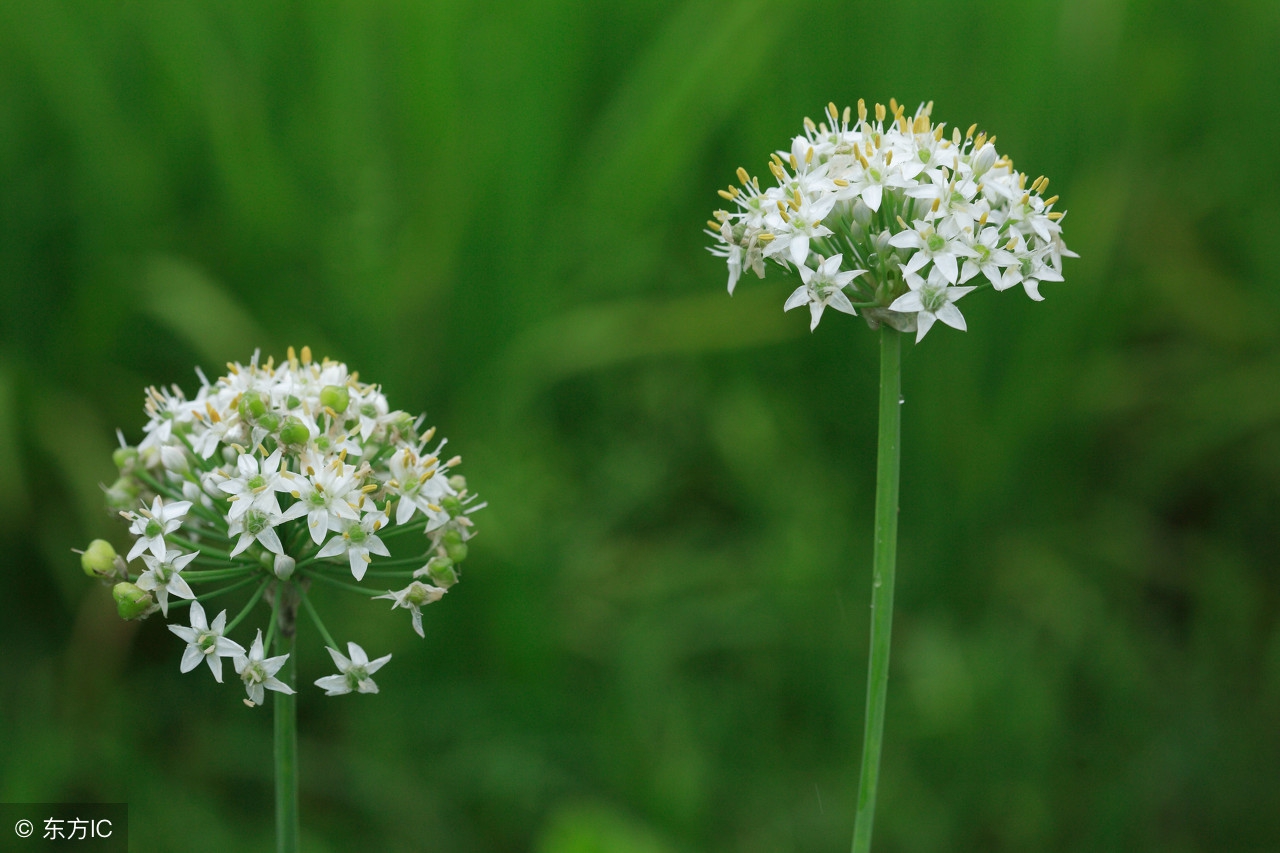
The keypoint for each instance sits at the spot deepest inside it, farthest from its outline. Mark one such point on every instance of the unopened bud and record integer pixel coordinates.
(131, 601)
(125, 458)
(123, 494)
(458, 483)
(454, 547)
(284, 566)
(452, 505)
(99, 559)
(984, 160)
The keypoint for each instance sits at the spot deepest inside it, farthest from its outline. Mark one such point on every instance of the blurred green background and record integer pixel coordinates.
(494, 209)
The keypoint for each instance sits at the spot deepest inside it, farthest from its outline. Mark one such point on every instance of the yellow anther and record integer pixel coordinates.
(903, 223)
(713, 225)
(808, 156)
(840, 182)
(846, 116)
(1056, 215)
(725, 194)
(862, 110)
(765, 237)
(968, 134)
(921, 124)
(1025, 198)
(955, 135)
(306, 355)
(937, 133)
(743, 177)
(879, 112)
(888, 157)
(1012, 244)
(992, 140)
(832, 111)
(795, 199)
(369, 489)
(1022, 180)
(893, 106)
(809, 125)
(980, 141)
(937, 202)
(982, 220)
(1050, 200)
(291, 356)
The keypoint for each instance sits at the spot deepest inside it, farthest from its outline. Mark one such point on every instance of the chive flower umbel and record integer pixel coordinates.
(269, 479)
(894, 217)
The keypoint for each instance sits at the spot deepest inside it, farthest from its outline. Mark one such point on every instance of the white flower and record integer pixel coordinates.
(257, 484)
(413, 598)
(932, 300)
(257, 672)
(328, 496)
(420, 483)
(205, 642)
(358, 541)
(163, 577)
(260, 524)
(822, 287)
(151, 526)
(353, 673)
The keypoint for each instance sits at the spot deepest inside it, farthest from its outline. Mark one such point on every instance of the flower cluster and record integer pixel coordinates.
(267, 480)
(892, 216)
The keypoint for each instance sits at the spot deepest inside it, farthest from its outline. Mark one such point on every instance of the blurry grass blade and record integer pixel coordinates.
(184, 298)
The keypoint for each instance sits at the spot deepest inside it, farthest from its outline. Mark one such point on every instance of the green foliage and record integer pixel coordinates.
(660, 644)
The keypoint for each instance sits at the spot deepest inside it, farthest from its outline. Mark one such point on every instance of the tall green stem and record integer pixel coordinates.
(888, 456)
(286, 724)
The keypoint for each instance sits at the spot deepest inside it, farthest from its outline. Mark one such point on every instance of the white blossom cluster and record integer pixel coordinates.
(272, 478)
(893, 215)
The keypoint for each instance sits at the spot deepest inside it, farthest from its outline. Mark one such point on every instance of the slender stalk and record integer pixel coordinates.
(286, 724)
(888, 456)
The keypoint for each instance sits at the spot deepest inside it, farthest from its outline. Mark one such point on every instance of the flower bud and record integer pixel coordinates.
(284, 566)
(440, 570)
(125, 458)
(123, 494)
(131, 601)
(99, 559)
(452, 505)
(269, 422)
(984, 160)
(335, 397)
(458, 483)
(294, 433)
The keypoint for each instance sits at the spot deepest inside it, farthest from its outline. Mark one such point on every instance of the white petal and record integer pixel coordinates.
(333, 547)
(191, 658)
(815, 314)
(1033, 289)
(871, 196)
(951, 315)
(840, 302)
(798, 297)
(358, 657)
(907, 302)
(375, 665)
(924, 320)
(799, 248)
(270, 540)
(333, 685)
(947, 263)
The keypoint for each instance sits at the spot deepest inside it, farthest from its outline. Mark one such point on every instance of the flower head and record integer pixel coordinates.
(899, 202)
(205, 642)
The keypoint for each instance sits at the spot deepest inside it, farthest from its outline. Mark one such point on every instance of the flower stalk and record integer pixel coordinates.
(884, 559)
(286, 725)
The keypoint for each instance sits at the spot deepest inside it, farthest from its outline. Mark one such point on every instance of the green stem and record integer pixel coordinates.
(349, 587)
(286, 723)
(888, 458)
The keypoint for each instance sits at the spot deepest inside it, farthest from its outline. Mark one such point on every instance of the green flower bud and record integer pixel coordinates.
(452, 505)
(99, 559)
(441, 571)
(458, 483)
(335, 397)
(253, 405)
(125, 458)
(123, 493)
(292, 402)
(294, 432)
(269, 422)
(131, 601)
